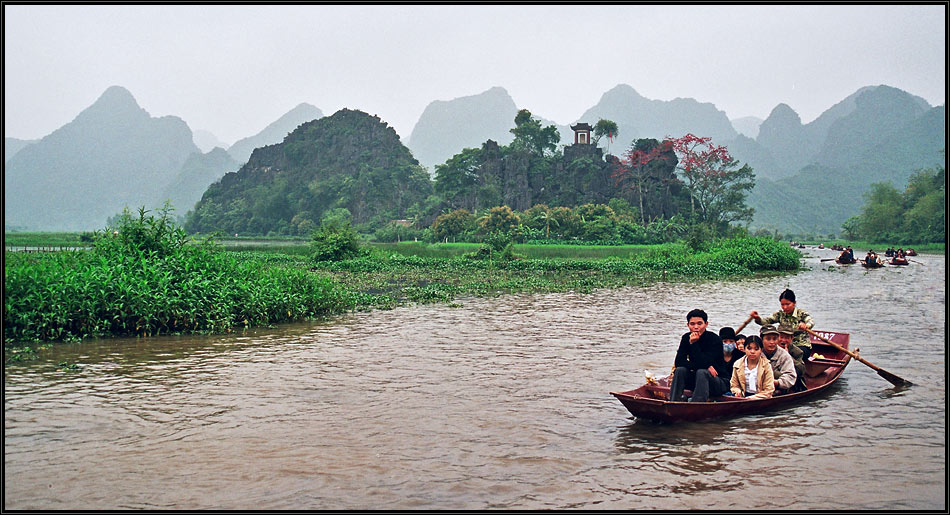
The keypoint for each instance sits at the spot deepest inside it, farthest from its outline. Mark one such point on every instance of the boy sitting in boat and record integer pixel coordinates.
(783, 366)
(698, 361)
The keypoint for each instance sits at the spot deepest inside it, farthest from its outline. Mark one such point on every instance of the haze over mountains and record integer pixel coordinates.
(810, 177)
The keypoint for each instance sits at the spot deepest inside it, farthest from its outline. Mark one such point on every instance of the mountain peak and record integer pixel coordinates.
(116, 97)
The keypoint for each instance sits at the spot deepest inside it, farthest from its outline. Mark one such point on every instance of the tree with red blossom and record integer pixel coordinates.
(647, 172)
(717, 185)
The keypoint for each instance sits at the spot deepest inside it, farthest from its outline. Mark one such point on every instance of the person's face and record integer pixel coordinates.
(740, 344)
(753, 352)
(784, 340)
(696, 325)
(770, 342)
(787, 306)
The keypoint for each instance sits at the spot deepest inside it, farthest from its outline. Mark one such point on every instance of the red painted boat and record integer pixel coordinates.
(899, 261)
(651, 401)
(911, 252)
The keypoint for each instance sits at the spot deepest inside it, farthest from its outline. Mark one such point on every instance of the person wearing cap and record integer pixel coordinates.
(698, 361)
(783, 366)
(785, 334)
(792, 316)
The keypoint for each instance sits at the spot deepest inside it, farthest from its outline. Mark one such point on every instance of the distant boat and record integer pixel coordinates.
(651, 401)
(899, 261)
(873, 264)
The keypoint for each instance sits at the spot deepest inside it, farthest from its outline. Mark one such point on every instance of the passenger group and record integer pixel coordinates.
(754, 366)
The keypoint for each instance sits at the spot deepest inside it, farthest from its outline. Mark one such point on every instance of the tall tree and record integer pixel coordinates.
(529, 134)
(605, 128)
(717, 185)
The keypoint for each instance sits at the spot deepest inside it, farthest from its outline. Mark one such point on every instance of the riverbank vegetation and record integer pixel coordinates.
(916, 215)
(143, 276)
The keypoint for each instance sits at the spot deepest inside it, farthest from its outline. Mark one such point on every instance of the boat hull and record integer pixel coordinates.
(651, 401)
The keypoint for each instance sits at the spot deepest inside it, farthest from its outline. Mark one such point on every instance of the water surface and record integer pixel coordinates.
(500, 403)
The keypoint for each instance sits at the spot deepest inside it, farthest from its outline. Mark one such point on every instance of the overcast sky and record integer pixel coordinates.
(232, 69)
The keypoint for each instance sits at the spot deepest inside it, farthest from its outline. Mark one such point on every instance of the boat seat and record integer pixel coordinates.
(815, 367)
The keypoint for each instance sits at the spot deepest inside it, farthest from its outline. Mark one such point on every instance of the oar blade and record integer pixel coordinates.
(893, 379)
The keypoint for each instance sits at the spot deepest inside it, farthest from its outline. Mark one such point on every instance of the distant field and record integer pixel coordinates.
(301, 246)
(42, 239)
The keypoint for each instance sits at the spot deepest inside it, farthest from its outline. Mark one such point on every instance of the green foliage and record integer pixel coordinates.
(396, 232)
(604, 128)
(335, 242)
(918, 215)
(128, 235)
(452, 225)
(143, 279)
(529, 135)
(499, 220)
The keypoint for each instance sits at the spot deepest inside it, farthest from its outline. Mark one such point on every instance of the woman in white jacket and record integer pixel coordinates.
(752, 375)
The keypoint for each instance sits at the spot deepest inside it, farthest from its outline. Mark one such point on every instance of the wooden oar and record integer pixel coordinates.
(896, 381)
(828, 259)
(741, 327)
(915, 261)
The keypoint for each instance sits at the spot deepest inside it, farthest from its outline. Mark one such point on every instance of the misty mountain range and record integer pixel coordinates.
(809, 177)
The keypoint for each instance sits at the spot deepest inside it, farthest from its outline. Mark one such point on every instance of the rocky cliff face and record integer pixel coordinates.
(275, 132)
(349, 160)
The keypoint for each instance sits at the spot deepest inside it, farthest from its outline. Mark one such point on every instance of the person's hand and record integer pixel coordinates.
(803, 326)
(775, 383)
(693, 337)
(755, 314)
(712, 370)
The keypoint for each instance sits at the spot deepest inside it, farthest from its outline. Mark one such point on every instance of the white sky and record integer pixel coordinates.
(232, 69)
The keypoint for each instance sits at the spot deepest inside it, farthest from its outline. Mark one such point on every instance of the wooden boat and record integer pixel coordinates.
(899, 261)
(840, 262)
(871, 265)
(651, 401)
(911, 252)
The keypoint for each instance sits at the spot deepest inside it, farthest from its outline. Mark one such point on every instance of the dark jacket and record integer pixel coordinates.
(705, 352)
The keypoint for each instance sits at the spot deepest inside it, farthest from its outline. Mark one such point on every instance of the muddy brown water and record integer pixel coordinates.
(500, 403)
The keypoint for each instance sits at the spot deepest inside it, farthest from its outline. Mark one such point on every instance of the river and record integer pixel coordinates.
(489, 403)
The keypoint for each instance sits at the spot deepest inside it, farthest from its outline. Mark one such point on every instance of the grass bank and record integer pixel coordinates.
(137, 283)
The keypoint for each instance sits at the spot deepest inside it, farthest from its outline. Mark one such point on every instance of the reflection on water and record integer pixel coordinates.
(501, 403)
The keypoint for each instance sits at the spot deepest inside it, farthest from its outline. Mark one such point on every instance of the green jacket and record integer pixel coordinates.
(797, 316)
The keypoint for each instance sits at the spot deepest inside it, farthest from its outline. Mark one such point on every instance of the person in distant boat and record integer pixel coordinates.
(783, 366)
(900, 253)
(698, 361)
(846, 257)
(792, 316)
(851, 253)
(785, 334)
(752, 374)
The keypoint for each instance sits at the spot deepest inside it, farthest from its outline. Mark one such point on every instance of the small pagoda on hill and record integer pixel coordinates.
(583, 143)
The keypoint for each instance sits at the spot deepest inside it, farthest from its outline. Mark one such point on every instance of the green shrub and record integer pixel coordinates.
(335, 242)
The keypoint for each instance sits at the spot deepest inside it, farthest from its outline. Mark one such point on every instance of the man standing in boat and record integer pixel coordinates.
(698, 361)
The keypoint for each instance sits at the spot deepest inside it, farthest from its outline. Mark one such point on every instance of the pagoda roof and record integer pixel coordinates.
(582, 126)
